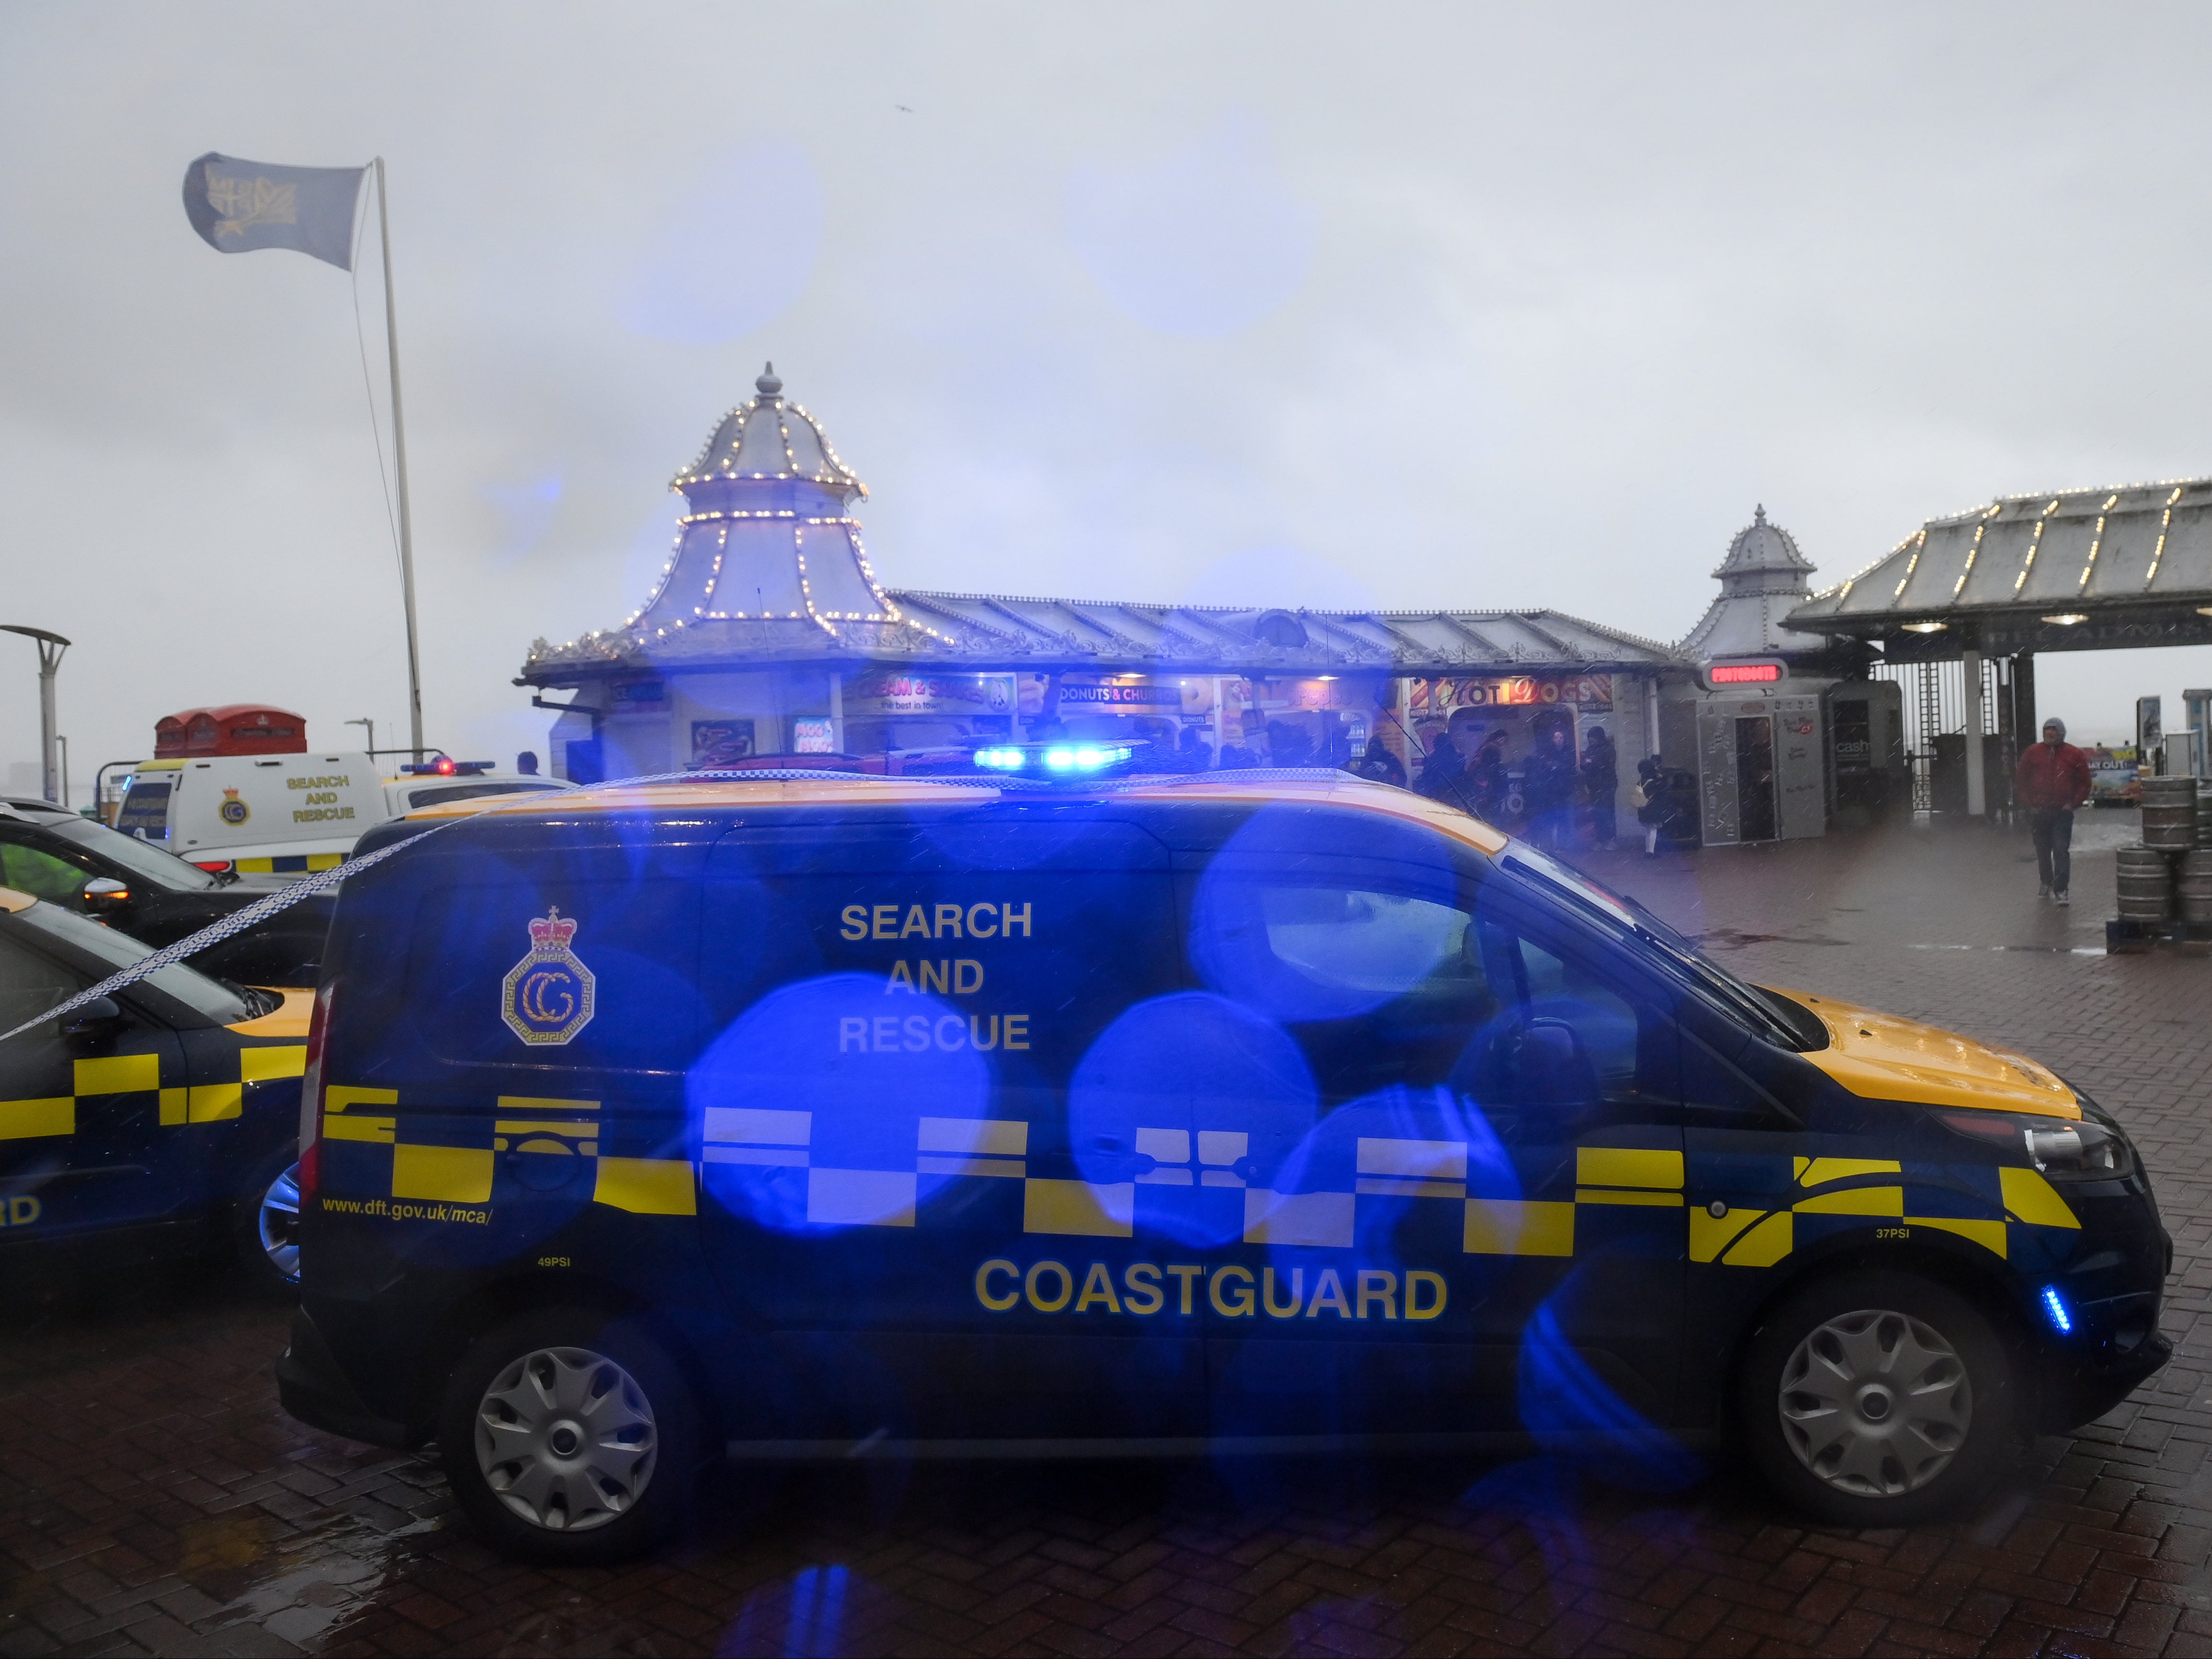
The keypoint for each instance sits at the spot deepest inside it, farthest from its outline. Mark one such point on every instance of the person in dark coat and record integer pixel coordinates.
(1444, 776)
(1549, 783)
(1377, 762)
(1488, 781)
(1601, 783)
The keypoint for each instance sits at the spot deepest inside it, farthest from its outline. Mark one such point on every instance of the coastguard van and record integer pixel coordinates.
(288, 814)
(787, 1118)
(256, 814)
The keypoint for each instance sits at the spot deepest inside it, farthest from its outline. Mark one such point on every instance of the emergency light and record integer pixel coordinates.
(446, 767)
(1057, 759)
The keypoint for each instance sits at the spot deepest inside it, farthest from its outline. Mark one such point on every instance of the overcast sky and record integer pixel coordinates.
(1349, 305)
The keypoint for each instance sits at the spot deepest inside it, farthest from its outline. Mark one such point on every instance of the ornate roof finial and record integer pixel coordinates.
(767, 386)
(1759, 513)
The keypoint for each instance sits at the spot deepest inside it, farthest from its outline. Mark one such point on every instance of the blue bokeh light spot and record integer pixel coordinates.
(808, 1106)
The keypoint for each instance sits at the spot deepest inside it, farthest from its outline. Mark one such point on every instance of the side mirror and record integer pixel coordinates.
(101, 1017)
(104, 895)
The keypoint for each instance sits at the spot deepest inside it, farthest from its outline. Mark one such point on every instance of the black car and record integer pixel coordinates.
(155, 896)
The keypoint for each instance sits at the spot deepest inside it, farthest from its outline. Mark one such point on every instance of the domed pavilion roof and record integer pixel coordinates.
(770, 438)
(1762, 580)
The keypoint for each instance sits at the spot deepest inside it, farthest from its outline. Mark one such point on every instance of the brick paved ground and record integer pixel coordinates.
(153, 1498)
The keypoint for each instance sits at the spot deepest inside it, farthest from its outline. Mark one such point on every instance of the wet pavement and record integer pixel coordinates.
(153, 1498)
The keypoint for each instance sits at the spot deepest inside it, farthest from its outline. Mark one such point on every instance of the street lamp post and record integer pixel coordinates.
(51, 646)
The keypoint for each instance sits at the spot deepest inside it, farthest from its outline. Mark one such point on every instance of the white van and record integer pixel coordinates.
(285, 814)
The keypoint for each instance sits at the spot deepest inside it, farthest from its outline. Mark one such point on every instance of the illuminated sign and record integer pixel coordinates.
(957, 694)
(1743, 673)
(1512, 692)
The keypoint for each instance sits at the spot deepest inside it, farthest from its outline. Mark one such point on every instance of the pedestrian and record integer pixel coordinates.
(1378, 764)
(1650, 802)
(1443, 775)
(1601, 783)
(527, 762)
(1488, 781)
(2051, 780)
(1550, 784)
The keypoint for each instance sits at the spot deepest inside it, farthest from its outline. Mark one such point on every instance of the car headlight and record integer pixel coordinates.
(2086, 1151)
(2093, 1149)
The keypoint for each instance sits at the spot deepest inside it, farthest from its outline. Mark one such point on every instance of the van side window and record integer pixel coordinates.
(30, 985)
(40, 874)
(1367, 942)
(1573, 1050)
(1381, 981)
(1386, 987)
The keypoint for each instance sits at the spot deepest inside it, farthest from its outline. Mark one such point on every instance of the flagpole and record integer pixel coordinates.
(399, 454)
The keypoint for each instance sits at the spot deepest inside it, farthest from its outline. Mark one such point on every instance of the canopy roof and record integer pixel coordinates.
(978, 631)
(768, 569)
(2070, 570)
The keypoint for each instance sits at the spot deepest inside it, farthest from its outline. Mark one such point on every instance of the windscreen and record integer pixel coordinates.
(163, 869)
(216, 1003)
(1772, 1017)
(145, 812)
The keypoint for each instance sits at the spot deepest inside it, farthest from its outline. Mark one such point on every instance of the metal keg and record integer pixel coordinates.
(2169, 813)
(2146, 884)
(2193, 892)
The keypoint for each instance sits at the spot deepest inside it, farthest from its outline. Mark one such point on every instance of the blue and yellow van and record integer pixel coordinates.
(790, 1116)
(145, 1125)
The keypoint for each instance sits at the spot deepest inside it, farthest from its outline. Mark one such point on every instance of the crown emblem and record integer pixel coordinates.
(232, 810)
(551, 932)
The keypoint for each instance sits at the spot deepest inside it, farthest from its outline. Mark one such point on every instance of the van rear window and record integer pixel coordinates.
(444, 793)
(146, 810)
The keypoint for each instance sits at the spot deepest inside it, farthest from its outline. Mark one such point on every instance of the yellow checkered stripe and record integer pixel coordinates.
(140, 1074)
(526, 1126)
(1760, 1238)
(294, 864)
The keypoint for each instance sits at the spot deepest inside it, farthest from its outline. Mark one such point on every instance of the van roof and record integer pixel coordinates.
(1258, 785)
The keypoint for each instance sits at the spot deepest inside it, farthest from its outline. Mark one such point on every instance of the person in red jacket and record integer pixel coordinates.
(2052, 780)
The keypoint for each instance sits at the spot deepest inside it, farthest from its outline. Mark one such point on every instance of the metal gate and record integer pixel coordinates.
(1935, 698)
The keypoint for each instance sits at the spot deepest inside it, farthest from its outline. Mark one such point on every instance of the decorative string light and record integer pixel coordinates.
(1974, 551)
(1920, 545)
(2035, 542)
(2163, 524)
(2096, 542)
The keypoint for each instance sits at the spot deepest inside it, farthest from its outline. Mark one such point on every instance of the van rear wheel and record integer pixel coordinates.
(569, 1438)
(1877, 1399)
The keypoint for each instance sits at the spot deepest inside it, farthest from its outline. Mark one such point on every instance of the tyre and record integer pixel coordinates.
(265, 1223)
(570, 1438)
(1877, 1399)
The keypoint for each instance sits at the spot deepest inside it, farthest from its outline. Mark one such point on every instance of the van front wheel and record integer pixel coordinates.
(569, 1438)
(1877, 1399)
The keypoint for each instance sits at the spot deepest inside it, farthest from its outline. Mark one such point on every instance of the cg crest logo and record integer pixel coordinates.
(233, 812)
(547, 997)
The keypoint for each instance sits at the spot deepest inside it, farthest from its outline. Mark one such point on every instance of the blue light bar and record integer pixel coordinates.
(1056, 760)
(2055, 1305)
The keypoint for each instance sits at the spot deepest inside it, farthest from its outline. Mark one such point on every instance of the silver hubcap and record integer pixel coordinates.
(1875, 1403)
(279, 1224)
(565, 1436)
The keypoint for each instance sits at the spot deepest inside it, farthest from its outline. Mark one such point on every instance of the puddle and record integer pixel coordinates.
(297, 1586)
(2033, 949)
(1735, 938)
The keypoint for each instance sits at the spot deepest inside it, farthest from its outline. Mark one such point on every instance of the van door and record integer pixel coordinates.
(891, 1192)
(1488, 1202)
(83, 1119)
